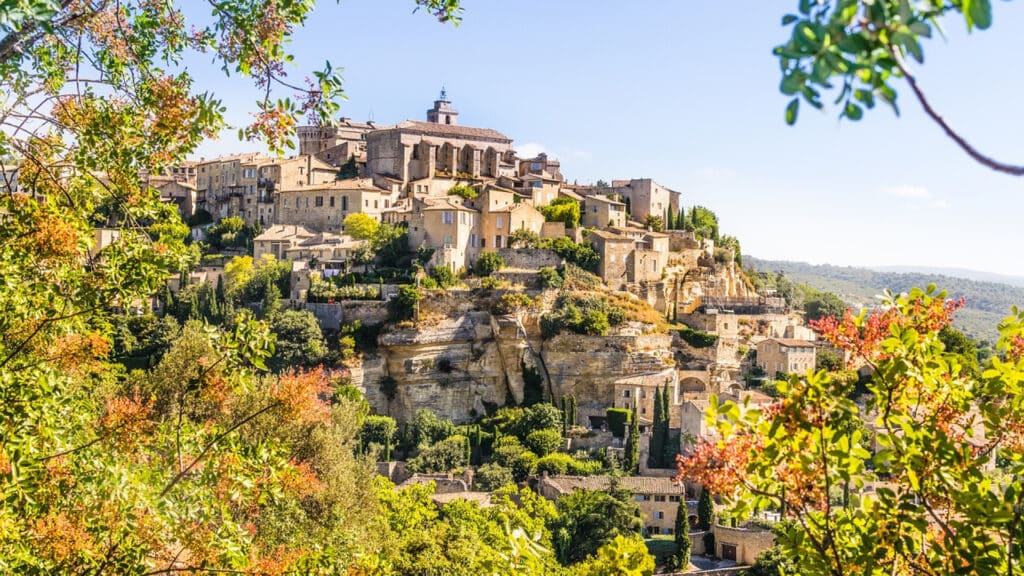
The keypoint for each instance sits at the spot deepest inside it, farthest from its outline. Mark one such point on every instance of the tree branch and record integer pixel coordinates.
(988, 161)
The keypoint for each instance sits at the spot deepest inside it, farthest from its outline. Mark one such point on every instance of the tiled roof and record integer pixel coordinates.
(604, 199)
(606, 235)
(285, 232)
(792, 343)
(635, 484)
(481, 498)
(451, 131)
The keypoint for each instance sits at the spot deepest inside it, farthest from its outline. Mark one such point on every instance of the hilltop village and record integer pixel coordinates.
(559, 330)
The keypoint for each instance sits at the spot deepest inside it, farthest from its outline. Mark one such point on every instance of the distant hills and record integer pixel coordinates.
(987, 301)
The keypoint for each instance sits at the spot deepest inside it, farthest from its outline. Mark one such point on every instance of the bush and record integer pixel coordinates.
(524, 465)
(444, 276)
(617, 420)
(556, 464)
(488, 283)
(595, 323)
(464, 192)
(506, 449)
(511, 302)
(490, 477)
(404, 304)
(544, 442)
(550, 278)
(443, 456)
(378, 430)
(488, 263)
(584, 467)
(562, 209)
(616, 315)
(538, 417)
(698, 338)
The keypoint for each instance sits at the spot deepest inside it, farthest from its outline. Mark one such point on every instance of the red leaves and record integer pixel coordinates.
(302, 395)
(718, 466)
(127, 420)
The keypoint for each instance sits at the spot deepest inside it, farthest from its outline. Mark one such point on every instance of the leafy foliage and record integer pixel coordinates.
(938, 430)
(589, 519)
(464, 192)
(550, 278)
(562, 209)
(698, 338)
(617, 420)
(487, 263)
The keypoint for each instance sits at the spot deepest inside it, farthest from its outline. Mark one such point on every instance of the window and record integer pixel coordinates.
(344, 203)
(307, 201)
(332, 201)
(594, 209)
(367, 203)
(447, 217)
(654, 265)
(625, 393)
(285, 202)
(497, 242)
(673, 498)
(483, 243)
(643, 394)
(659, 498)
(375, 203)
(641, 498)
(472, 240)
(499, 222)
(447, 241)
(318, 201)
(659, 515)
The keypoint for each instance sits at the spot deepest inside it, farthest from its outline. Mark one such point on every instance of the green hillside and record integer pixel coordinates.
(987, 303)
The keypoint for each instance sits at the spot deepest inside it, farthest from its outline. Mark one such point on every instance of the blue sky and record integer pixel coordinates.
(687, 93)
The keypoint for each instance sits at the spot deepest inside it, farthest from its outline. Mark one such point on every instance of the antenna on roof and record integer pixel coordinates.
(371, 116)
(444, 94)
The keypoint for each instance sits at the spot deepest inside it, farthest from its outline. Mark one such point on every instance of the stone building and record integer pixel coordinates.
(540, 189)
(325, 206)
(334, 144)
(614, 251)
(785, 355)
(449, 228)
(540, 165)
(291, 242)
(179, 192)
(646, 197)
(657, 497)
(639, 390)
(277, 175)
(501, 215)
(600, 211)
(439, 147)
(224, 180)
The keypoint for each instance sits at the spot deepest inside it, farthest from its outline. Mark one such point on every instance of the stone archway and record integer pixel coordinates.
(693, 384)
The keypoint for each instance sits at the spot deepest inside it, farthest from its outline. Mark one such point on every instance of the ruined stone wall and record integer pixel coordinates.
(332, 316)
(529, 258)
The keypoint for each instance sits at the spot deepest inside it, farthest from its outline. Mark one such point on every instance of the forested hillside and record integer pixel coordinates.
(987, 303)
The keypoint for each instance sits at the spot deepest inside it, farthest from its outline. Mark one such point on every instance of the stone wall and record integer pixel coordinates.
(679, 240)
(332, 316)
(529, 258)
(748, 542)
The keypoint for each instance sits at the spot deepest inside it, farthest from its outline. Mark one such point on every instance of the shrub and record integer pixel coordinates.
(465, 192)
(616, 315)
(544, 442)
(488, 283)
(444, 276)
(562, 209)
(510, 302)
(443, 456)
(490, 477)
(698, 338)
(617, 420)
(524, 465)
(550, 278)
(404, 304)
(578, 467)
(378, 430)
(506, 449)
(555, 464)
(538, 417)
(595, 323)
(488, 263)
(523, 238)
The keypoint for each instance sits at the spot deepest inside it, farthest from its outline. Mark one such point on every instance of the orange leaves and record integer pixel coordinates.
(280, 560)
(719, 466)
(62, 538)
(303, 395)
(77, 352)
(127, 420)
(299, 479)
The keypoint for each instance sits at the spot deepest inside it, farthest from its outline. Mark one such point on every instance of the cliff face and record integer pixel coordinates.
(460, 363)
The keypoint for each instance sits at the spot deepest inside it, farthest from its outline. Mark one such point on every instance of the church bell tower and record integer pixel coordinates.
(442, 112)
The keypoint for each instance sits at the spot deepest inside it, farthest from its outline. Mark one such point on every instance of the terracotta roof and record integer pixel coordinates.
(285, 232)
(481, 498)
(444, 204)
(635, 484)
(450, 131)
(604, 199)
(606, 235)
(791, 342)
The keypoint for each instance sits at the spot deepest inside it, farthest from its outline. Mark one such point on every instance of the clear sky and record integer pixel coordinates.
(686, 92)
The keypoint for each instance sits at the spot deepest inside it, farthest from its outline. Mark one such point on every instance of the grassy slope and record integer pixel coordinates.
(987, 303)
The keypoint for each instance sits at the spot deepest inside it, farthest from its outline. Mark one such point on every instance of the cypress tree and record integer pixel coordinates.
(167, 300)
(683, 536)
(632, 452)
(669, 451)
(222, 296)
(705, 509)
(565, 418)
(657, 444)
(572, 411)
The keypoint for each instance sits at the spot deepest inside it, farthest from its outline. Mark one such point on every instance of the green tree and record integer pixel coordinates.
(623, 556)
(822, 305)
(562, 209)
(655, 222)
(771, 562)
(682, 534)
(656, 447)
(705, 510)
(632, 452)
(406, 303)
(300, 343)
(361, 226)
(963, 348)
(865, 50)
(589, 519)
(443, 456)
(488, 263)
(349, 169)
(544, 442)
(828, 360)
(617, 419)
(490, 477)
(379, 430)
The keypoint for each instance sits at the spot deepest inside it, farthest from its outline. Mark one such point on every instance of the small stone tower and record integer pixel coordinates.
(442, 112)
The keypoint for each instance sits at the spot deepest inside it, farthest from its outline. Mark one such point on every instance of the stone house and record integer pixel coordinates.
(647, 198)
(278, 239)
(657, 497)
(280, 175)
(741, 545)
(413, 150)
(501, 213)
(224, 180)
(639, 390)
(298, 243)
(447, 226)
(786, 355)
(344, 138)
(179, 192)
(540, 165)
(615, 251)
(325, 206)
(540, 189)
(600, 211)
